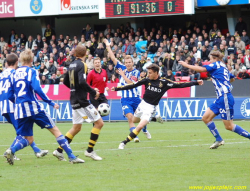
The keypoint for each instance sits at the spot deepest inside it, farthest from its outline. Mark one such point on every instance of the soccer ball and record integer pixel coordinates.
(104, 109)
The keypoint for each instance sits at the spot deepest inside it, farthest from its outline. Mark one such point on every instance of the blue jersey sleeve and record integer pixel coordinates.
(35, 83)
(231, 76)
(11, 93)
(211, 67)
(120, 65)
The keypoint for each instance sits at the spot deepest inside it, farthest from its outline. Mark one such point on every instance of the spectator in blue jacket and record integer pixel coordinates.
(87, 31)
(231, 49)
(131, 48)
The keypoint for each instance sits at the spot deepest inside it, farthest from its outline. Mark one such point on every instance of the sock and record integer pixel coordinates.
(237, 129)
(19, 145)
(153, 119)
(93, 138)
(214, 131)
(65, 145)
(16, 140)
(131, 130)
(35, 148)
(131, 136)
(145, 129)
(69, 138)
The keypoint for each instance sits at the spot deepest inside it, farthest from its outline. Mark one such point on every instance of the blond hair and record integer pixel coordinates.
(97, 58)
(128, 57)
(217, 55)
(26, 57)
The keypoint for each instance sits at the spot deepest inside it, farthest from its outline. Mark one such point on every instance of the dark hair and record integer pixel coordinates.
(11, 59)
(153, 67)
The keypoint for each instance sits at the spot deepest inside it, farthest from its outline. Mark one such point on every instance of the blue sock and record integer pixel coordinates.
(35, 148)
(20, 144)
(65, 145)
(17, 138)
(144, 129)
(237, 129)
(214, 131)
(131, 129)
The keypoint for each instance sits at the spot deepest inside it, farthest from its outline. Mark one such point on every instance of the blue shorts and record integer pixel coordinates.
(129, 105)
(11, 119)
(224, 106)
(25, 125)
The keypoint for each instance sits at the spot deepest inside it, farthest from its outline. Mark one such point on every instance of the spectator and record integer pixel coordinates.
(143, 74)
(29, 43)
(224, 52)
(168, 62)
(67, 62)
(114, 79)
(131, 48)
(53, 79)
(108, 30)
(239, 44)
(237, 70)
(42, 68)
(110, 70)
(99, 52)
(141, 63)
(193, 74)
(148, 63)
(82, 42)
(245, 38)
(243, 73)
(152, 48)
(231, 49)
(170, 75)
(46, 73)
(104, 63)
(36, 66)
(44, 80)
(135, 58)
(61, 59)
(90, 62)
(48, 33)
(40, 57)
(51, 69)
(12, 36)
(125, 46)
(246, 59)
(17, 40)
(2, 43)
(87, 31)
(61, 48)
(176, 66)
(240, 26)
(213, 31)
(184, 70)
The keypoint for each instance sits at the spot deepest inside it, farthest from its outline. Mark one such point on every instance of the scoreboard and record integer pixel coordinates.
(141, 8)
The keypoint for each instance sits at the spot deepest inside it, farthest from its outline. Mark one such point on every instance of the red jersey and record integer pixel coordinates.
(98, 80)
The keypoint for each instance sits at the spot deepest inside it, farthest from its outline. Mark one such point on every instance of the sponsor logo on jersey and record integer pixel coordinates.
(160, 85)
(154, 89)
(36, 6)
(170, 84)
(245, 108)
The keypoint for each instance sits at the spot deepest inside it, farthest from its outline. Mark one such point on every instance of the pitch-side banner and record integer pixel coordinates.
(61, 92)
(78, 6)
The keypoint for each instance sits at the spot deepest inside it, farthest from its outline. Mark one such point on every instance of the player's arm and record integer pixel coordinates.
(195, 68)
(185, 84)
(66, 81)
(111, 54)
(232, 77)
(130, 86)
(35, 84)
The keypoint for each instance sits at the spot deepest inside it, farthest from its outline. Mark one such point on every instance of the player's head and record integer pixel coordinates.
(153, 71)
(216, 56)
(97, 63)
(12, 60)
(26, 57)
(128, 61)
(80, 51)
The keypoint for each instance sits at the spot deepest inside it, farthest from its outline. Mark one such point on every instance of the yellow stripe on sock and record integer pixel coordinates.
(69, 135)
(135, 132)
(93, 142)
(60, 147)
(96, 131)
(91, 146)
(130, 138)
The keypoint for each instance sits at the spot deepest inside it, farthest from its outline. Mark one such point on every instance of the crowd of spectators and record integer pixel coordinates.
(163, 46)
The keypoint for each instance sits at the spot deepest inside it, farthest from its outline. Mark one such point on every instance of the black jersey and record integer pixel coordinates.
(155, 89)
(75, 80)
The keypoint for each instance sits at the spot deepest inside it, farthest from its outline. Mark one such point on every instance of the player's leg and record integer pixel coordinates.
(132, 125)
(229, 125)
(93, 116)
(43, 120)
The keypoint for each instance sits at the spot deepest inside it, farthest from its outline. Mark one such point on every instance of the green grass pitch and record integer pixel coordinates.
(177, 156)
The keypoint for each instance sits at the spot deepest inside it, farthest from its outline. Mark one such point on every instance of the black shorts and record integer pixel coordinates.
(102, 99)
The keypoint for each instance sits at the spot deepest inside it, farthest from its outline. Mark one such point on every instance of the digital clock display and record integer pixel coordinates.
(127, 8)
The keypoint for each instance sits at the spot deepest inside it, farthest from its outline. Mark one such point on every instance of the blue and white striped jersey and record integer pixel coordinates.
(6, 103)
(26, 85)
(133, 76)
(220, 78)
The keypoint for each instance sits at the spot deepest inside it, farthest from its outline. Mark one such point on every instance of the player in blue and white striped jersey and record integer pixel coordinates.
(28, 110)
(130, 98)
(224, 103)
(7, 102)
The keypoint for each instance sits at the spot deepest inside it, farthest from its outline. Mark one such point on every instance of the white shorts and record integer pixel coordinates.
(145, 111)
(88, 114)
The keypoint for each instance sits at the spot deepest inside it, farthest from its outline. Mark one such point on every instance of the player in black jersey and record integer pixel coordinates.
(155, 87)
(75, 79)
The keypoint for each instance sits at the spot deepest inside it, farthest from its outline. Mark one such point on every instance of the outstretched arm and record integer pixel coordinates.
(111, 54)
(195, 68)
(186, 84)
(130, 86)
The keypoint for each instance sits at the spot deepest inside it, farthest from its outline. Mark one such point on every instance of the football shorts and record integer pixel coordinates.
(129, 105)
(11, 119)
(145, 111)
(102, 99)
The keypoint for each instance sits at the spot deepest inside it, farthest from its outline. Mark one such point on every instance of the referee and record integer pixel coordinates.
(97, 79)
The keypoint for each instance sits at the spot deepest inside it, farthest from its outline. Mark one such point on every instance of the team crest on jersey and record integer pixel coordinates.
(149, 84)
(160, 85)
(245, 108)
(104, 79)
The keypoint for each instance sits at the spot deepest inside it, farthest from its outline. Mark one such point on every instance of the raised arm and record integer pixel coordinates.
(131, 86)
(186, 84)
(195, 68)
(111, 54)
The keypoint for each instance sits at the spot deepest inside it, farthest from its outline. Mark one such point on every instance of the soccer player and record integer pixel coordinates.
(98, 78)
(155, 87)
(28, 110)
(82, 109)
(130, 98)
(7, 106)
(224, 103)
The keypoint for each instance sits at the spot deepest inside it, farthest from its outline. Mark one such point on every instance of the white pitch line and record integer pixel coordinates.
(139, 148)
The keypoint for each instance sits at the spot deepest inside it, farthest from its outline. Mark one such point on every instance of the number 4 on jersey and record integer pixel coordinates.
(4, 86)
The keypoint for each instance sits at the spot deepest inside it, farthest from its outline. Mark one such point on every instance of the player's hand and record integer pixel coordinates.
(184, 64)
(97, 95)
(56, 106)
(106, 42)
(200, 82)
(96, 89)
(113, 89)
(107, 89)
(121, 72)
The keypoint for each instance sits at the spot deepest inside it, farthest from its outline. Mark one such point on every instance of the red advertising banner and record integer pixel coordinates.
(61, 92)
(7, 9)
